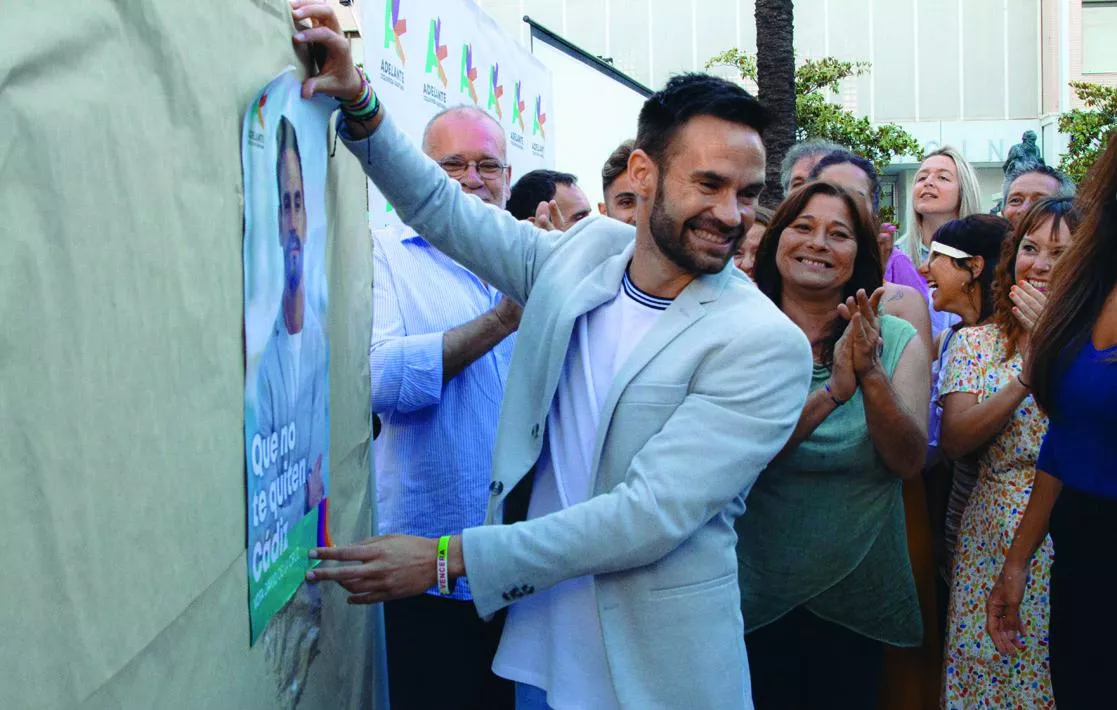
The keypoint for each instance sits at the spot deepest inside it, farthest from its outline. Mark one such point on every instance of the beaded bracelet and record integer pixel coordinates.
(366, 105)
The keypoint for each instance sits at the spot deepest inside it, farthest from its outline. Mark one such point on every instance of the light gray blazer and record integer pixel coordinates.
(702, 405)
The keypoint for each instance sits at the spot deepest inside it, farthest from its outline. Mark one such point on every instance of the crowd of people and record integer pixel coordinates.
(677, 455)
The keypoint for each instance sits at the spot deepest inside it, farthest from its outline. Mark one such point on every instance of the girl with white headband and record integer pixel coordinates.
(960, 271)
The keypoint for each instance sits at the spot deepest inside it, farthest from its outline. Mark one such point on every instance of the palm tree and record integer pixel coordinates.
(775, 80)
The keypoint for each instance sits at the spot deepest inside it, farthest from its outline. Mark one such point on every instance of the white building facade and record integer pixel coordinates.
(974, 74)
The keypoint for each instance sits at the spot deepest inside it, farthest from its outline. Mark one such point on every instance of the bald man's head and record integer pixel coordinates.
(470, 146)
(459, 114)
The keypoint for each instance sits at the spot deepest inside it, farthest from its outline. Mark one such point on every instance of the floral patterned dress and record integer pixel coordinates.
(976, 675)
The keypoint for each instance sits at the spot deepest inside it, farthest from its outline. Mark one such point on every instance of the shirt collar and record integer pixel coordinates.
(406, 234)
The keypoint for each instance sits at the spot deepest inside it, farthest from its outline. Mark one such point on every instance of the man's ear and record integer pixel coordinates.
(601, 208)
(642, 173)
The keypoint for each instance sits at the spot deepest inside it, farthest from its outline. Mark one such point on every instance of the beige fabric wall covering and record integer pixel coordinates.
(121, 362)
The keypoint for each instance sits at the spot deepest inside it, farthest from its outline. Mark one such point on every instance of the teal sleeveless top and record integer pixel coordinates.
(824, 527)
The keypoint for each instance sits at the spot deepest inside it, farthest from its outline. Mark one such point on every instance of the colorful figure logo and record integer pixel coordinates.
(495, 91)
(394, 26)
(258, 109)
(436, 51)
(469, 72)
(518, 108)
(540, 118)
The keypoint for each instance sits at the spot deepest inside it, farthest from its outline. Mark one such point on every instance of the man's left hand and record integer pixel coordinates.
(385, 568)
(549, 217)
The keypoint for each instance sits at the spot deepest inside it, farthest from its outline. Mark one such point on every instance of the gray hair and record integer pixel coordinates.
(804, 149)
(1066, 185)
(462, 109)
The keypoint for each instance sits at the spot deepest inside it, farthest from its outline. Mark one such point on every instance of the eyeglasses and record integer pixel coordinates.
(488, 169)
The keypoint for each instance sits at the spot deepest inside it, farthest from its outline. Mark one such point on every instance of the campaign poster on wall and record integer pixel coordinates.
(424, 56)
(286, 393)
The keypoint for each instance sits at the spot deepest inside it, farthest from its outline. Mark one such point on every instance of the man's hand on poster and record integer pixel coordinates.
(337, 75)
(315, 489)
(386, 567)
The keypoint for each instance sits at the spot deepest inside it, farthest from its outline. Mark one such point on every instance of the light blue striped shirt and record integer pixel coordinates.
(434, 453)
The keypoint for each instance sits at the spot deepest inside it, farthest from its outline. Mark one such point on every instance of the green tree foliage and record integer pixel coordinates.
(816, 117)
(1088, 127)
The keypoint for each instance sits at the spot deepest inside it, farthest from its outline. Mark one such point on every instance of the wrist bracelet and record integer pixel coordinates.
(366, 105)
(442, 567)
(1023, 384)
(837, 402)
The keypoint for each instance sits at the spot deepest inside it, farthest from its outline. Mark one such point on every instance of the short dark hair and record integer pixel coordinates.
(285, 139)
(868, 270)
(616, 164)
(981, 235)
(533, 188)
(841, 157)
(688, 96)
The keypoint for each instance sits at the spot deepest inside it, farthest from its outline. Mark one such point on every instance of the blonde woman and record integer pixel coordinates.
(945, 188)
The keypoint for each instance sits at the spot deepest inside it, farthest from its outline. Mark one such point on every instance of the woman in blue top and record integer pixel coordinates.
(824, 570)
(1074, 378)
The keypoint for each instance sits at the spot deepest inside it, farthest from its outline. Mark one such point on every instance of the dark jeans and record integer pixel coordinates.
(440, 656)
(1083, 589)
(802, 662)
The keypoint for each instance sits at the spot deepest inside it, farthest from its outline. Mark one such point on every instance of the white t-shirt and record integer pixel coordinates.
(294, 352)
(553, 639)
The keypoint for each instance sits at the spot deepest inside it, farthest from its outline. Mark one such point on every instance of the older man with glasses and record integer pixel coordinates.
(441, 344)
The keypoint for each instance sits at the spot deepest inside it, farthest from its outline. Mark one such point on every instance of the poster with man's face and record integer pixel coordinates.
(286, 394)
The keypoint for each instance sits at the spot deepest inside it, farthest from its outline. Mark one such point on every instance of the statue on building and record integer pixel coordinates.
(1025, 153)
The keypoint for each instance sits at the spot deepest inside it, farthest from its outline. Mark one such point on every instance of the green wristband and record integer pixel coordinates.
(442, 566)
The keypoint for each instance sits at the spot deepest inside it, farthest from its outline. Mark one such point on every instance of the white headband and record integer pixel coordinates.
(947, 250)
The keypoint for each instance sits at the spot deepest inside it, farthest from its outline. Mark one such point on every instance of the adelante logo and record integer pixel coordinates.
(518, 107)
(495, 91)
(469, 72)
(436, 51)
(258, 110)
(394, 27)
(540, 119)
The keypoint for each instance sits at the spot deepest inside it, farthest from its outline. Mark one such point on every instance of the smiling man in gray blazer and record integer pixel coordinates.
(651, 384)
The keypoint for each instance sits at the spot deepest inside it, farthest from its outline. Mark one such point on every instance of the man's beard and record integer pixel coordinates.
(670, 237)
(292, 262)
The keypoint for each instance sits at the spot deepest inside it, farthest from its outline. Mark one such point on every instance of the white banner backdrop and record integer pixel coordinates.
(426, 55)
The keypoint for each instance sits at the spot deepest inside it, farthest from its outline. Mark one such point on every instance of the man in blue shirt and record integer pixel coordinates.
(439, 355)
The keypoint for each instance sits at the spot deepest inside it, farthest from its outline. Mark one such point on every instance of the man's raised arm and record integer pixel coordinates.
(487, 241)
